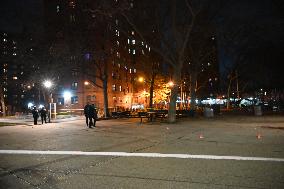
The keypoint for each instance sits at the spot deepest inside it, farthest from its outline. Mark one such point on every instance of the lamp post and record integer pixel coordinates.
(48, 84)
(141, 79)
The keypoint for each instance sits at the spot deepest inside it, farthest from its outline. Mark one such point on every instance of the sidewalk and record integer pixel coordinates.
(28, 120)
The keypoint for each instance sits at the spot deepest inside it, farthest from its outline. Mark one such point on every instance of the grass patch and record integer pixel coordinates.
(2, 124)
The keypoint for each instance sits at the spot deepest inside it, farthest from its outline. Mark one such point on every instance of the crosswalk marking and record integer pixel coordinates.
(149, 155)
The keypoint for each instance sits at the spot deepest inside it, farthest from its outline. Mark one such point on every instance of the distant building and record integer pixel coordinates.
(13, 74)
(88, 47)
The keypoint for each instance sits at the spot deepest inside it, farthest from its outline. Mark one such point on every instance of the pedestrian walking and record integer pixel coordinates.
(35, 115)
(87, 114)
(91, 114)
(43, 113)
(94, 114)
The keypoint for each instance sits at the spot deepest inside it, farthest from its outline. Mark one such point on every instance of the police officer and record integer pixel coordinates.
(35, 115)
(43, 114)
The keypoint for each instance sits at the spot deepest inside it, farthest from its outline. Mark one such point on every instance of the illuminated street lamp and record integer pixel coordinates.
(140, 79)
(171, 83)
(86, 83)
(48, 84)
(67, 95)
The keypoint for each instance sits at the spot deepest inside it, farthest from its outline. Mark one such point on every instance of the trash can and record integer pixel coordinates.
(208, 112)
(257, 110)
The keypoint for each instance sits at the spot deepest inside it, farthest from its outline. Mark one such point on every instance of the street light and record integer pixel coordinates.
(170, 83)
(48, 84)
(86, 83)
(67, 95)
(140, 79)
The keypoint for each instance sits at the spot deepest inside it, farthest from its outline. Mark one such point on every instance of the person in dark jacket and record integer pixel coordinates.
(87, 114)
(93, 114)
(35, 115)
(43, 113)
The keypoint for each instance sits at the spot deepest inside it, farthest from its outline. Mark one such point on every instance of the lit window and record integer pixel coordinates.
(15, 78)
(113, 87)
(57, 8)
(4, 40)
(118, 65)
(149, 49)
(117, 42)
(132, 32)
(22, 96)
(130, 70)
(118, 54)
(142, 43)
(60, 101)
(4, 70)
(134, 70)
(129, 51)
(74, 100)
(133, 51)
(14, 54)
(120, 88)
(209, 63)
(116, 22)
(128, 41)
(5, 89)
(74, 85)
(143, 51)
(133, 41)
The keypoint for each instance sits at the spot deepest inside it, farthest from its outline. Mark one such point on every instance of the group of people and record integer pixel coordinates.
(90, 114)
(42, 113)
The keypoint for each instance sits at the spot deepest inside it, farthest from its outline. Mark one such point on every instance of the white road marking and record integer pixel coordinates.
(152, 155)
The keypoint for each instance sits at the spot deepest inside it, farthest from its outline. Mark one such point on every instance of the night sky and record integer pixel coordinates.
(265, 38)
(18, 15)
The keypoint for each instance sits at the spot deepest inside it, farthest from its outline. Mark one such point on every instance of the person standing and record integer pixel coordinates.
(43, 114)
(35, 115)
(86, 113)
(94, 115)
(91, 114)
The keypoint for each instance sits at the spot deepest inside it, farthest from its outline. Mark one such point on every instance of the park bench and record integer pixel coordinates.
(161, 114)
(124, 114)
(142, 115)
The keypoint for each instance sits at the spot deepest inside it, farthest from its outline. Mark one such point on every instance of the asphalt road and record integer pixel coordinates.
(233, 137)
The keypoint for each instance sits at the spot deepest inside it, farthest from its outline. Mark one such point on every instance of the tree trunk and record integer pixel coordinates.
(228, 93)
(173, 98)
(151, 91)
(105, 78)
(193, 91)
(106, 111)
(2, 101)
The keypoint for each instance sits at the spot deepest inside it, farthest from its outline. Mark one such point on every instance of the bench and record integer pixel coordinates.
(161, 114)
(142, 115)
(124, 114)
